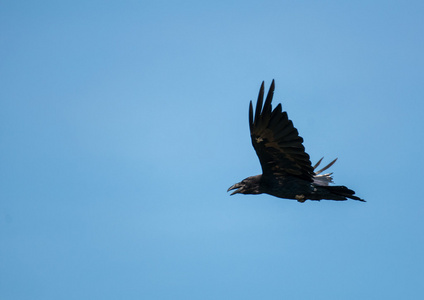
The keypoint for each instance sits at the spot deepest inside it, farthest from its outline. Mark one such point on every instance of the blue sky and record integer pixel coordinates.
(123, 123)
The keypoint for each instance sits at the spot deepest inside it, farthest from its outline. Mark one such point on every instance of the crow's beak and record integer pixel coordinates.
(238, 186)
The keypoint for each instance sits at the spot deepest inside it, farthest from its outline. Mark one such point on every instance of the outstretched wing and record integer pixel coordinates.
(276, 141)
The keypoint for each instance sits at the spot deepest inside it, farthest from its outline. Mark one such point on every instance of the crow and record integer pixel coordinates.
(287, 171)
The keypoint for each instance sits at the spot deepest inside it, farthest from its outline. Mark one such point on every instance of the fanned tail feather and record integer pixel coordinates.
(323, 179)
(338, 192)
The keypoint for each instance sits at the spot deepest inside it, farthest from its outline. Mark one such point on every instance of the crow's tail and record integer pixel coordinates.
(340, 192)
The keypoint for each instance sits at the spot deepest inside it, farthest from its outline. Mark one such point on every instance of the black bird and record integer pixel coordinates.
(287, 171)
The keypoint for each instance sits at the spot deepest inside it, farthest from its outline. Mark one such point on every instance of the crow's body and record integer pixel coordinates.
(286, 169)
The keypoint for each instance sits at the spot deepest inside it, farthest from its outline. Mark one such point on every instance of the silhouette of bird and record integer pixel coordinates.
(287, 171)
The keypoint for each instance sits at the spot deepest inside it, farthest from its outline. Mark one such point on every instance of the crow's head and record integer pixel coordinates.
(250, 185)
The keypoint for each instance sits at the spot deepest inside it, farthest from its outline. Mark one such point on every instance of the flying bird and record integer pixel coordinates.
(287, 171)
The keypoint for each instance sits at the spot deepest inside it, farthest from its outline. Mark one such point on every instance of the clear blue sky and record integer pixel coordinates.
(123, 123)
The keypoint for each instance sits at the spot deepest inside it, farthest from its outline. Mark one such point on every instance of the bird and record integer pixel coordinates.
(287, 171)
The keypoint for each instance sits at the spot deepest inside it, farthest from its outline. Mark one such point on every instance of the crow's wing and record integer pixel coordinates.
(276, 141)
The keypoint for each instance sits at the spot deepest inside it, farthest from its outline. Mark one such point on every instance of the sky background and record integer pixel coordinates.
(123, 123)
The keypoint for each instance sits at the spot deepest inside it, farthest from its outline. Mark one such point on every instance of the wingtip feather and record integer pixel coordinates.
(259, 102)
(317, 164)
(267, 106)
(250, 114)
(326, 167)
